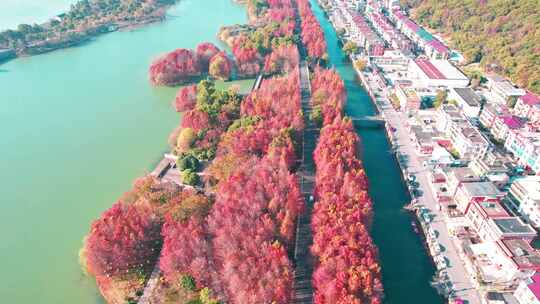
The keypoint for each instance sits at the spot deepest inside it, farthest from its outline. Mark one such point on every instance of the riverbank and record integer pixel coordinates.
(64, 31)
(401, 250)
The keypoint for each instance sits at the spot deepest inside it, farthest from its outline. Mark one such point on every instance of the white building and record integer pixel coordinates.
(528, 291)
(503, 89)
(436, 74)
(525, 194)
(467, 141)
(467, 100)
(447, 114)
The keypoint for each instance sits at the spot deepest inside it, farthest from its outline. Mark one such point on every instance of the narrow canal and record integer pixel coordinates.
(407, 270)
(77, 126)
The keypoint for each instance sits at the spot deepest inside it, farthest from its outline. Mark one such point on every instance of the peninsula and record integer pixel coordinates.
(85, 20)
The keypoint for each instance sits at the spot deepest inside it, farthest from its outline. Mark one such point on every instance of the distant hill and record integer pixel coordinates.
(502, 35)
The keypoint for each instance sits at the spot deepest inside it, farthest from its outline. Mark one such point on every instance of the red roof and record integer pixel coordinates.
(513, 122)
(438, 46)
(413, 26)
(530, 98)
(429, 69)
(535, 285)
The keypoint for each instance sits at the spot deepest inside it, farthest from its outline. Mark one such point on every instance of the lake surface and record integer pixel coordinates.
(15, 12)
(77, 126)
(406, 268)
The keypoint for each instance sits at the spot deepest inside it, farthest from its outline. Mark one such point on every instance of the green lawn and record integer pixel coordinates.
(244, 84)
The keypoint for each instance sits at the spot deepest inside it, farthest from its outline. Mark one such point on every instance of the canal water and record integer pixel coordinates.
(406, 267)
(77, 126)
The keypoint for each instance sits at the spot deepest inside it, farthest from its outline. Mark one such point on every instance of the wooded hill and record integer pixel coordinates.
(502, 35)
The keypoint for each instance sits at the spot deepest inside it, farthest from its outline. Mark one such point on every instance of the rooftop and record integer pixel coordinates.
(481, 189)
(469, 96)
(530, 98)
(513, 225)
(439, 69)
(531, 184)
(508, 88)
(493, 209)
(521, 253)
(513, 122)
(534, 286)
(463, 174)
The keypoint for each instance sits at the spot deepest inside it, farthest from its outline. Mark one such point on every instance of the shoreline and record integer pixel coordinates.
(46, 46)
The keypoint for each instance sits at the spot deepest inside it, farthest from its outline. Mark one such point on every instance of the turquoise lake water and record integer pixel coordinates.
(77, 126)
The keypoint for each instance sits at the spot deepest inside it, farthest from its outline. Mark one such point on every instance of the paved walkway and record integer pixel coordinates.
(303, 289)
(457, 273)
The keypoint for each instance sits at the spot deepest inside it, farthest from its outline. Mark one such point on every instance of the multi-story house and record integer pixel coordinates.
(467, 100)
(524, 194)
(528, 106)
(525, 147)
(503, 124)
(467, 141)
(528, 291)
(494, 166)
(503, 89)
(474, 193)
(490, 112)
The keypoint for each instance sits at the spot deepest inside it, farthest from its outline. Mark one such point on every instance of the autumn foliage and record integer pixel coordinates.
(328, 94)
(255, 206)
(220, 66)
(176, 67)
(347, 270)
(272, 108)
(186, 98)
(283, 59)
(124, 239)
(312, 34)
(204, 52)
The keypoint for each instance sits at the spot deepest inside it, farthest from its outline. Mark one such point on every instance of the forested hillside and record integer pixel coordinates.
(503, 35)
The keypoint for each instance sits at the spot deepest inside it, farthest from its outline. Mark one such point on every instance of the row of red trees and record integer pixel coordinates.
(240, 249)
(347, 270)
(312, 34)
(270, 47)
(184, 65)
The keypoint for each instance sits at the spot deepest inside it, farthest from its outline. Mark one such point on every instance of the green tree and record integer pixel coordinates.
(187, 162)
(350, 48)
(190, 177)
(440, 98)
(188, 283)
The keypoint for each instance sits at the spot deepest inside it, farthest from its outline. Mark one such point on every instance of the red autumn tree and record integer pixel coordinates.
(126, 238)
(284, 59)
(174, 68)
(347, 270)
(329, 94)
(312, 34)
(186, 98)
(220, 66)
(258, 203)
(204, 52)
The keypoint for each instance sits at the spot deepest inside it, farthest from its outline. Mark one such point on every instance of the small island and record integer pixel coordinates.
(84, 20)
